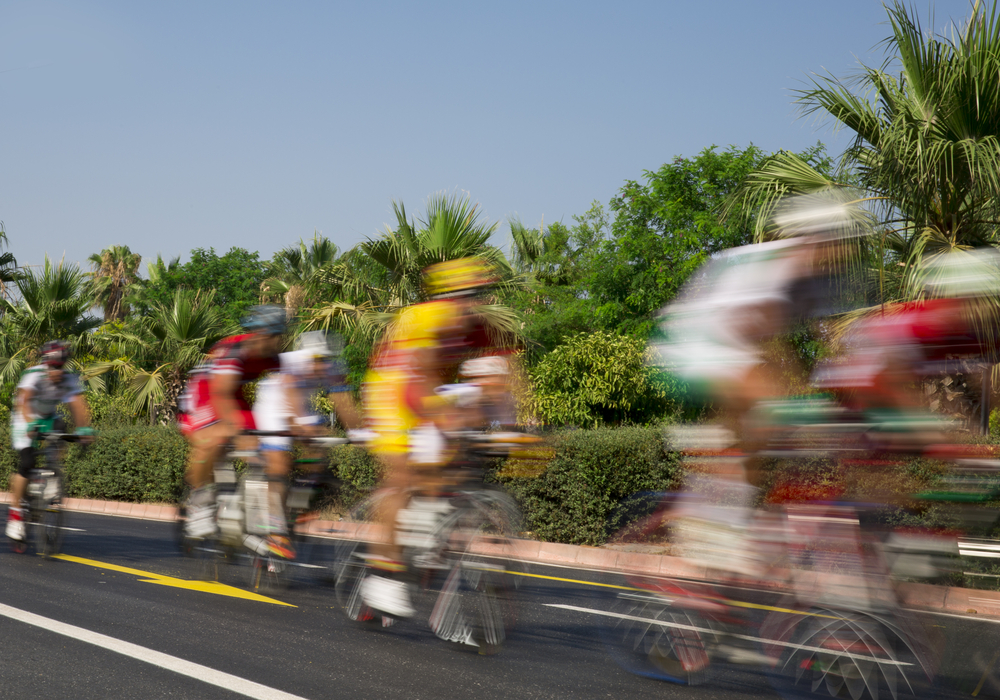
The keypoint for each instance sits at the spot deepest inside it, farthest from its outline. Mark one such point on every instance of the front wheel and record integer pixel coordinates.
(826, 652)
(350, 573)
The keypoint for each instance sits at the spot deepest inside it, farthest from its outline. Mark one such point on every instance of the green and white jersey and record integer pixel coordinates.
(45, 399)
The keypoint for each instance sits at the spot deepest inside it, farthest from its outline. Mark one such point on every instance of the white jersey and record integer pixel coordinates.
(714, 329)
(273, 409)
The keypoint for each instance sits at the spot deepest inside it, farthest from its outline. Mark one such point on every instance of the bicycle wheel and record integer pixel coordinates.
(268, 574)
(477, 606)
(49, 529)
(349, 575)
(825, 652)
(649, 637)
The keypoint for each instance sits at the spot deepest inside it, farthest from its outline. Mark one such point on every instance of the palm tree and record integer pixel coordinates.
(53, 303)
(383, 275)
(8, 266)
(295, 273)
(155, 352)
(925, 159)
(114, 269)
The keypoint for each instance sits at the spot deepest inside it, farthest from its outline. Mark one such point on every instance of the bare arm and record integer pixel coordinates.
(81, 414)
(222, 388)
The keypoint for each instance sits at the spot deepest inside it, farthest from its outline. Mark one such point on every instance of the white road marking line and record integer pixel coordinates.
(156, 658)
(692, 628)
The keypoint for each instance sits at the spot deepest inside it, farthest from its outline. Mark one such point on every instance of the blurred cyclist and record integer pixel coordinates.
(890, 351)
(39, 392)
(422, 351)
(220, 411)
(715, 333)
(283, 404)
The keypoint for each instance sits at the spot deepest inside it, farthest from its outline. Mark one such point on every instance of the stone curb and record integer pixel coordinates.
(955, 600)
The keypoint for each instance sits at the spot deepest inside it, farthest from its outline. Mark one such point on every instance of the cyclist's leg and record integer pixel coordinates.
(18, 486)
(206, 445)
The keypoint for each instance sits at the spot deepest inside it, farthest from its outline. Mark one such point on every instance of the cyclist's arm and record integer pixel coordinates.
(81, 414)
(222, 390)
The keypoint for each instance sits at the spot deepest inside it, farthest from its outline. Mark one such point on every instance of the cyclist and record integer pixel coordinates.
(422, 350)
(283, 405)
(714, 335)
(39, 392)
(219, 411)
(889, 352)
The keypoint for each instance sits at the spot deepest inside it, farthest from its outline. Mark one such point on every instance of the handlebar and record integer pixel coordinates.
(68, 437)
(317, 439)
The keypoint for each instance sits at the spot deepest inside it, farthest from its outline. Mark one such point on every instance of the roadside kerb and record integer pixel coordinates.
(948, 599)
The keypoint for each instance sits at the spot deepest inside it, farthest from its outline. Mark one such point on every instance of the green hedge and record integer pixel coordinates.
(135, 463)
(576, 500)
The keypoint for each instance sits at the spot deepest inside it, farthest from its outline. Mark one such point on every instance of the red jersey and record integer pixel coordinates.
(228, 356)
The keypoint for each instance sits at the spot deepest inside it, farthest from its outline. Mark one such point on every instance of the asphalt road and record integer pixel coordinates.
(123, 616)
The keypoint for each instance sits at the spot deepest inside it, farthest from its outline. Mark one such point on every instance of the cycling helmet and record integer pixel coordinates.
(963, 274)
(314, 343)
(456, 277)
(833, 214)
(55, 354)
(265, 319)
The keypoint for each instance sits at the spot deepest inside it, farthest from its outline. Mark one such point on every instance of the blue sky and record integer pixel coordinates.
(170, 126)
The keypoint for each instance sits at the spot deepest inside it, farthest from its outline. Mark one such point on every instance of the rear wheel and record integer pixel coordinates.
(647, 636)
(49, 530)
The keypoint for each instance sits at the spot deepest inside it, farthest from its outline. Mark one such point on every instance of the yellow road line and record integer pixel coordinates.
(161, 580)
(573, 580)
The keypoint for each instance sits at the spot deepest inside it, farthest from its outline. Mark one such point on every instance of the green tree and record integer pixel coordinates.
(925, 158)
(663, 229)
(114, 269)
(236, 278)
(557, 266)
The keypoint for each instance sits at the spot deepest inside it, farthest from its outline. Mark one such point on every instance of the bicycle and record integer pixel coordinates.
(462, 538)
(42, 510)
(841, 631)
(242, 515)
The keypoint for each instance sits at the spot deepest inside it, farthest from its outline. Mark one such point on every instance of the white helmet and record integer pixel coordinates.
(831, 213)
(963, 273)
(315, 343)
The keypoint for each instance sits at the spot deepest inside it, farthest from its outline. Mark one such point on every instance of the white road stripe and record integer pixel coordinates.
(691, 628)
(156, 658)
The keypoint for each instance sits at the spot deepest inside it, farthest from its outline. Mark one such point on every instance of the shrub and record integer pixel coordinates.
(576, 499)
(134, 463)
(359, 470)
(596, 378)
